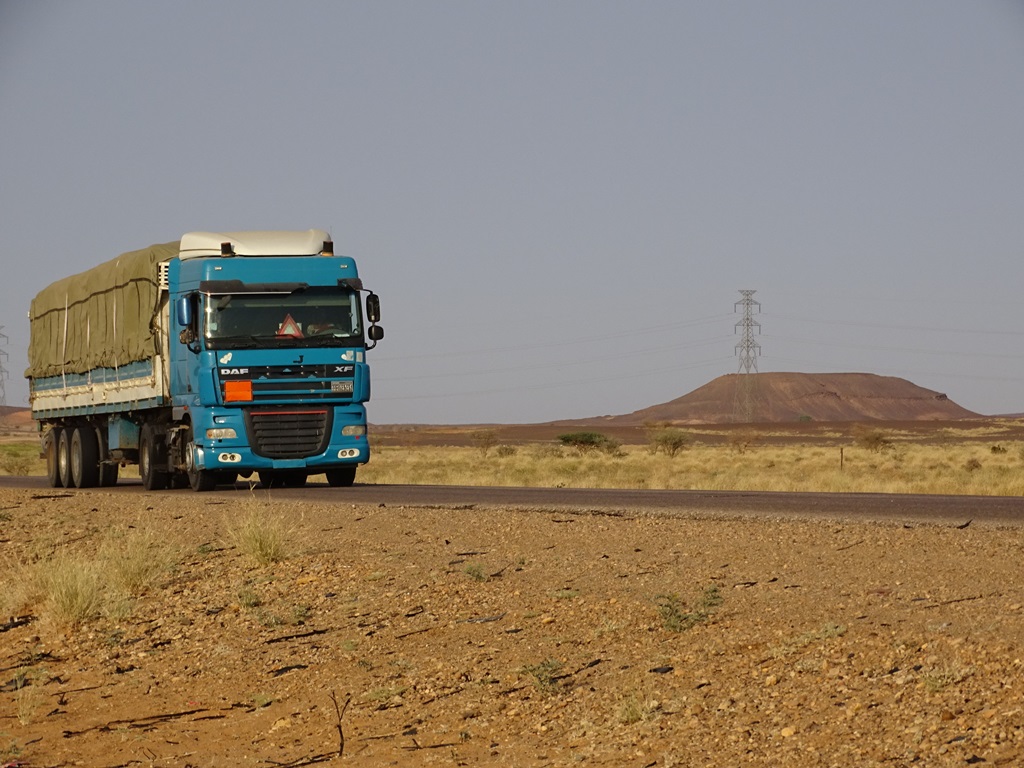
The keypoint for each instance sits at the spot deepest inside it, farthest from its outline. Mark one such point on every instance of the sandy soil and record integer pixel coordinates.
(415, 636)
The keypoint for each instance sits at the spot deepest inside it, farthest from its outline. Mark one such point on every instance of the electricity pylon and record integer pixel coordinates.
(747, 350)
(3, 369)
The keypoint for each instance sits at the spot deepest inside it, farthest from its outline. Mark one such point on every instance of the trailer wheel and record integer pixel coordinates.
(50, 448)
(341, 477)
(152, 457)
(201, 480)
(85, 466)
(64, 459)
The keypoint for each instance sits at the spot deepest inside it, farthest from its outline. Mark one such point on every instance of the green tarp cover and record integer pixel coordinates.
(101, 318)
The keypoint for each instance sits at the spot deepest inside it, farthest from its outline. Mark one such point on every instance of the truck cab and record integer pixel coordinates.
(268, 358)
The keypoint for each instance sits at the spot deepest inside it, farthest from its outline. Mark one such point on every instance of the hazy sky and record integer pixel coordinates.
(558, 201)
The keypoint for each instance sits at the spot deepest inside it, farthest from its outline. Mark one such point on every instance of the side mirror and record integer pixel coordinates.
(375, 332)
(373, 308)
(184, 310)
(185, 318)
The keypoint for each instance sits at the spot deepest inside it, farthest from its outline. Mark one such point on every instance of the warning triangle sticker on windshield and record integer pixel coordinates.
(289, 328)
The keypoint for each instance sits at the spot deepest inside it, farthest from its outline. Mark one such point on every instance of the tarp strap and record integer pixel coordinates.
(117, 372)
(64, 349)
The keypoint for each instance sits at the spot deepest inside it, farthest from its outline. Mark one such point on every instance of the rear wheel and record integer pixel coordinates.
(152, 460)
(64, 459)
(52, 464)
(85, 455)
(341, 477)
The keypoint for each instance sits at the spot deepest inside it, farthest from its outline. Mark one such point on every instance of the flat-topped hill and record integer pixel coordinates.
(788, 397)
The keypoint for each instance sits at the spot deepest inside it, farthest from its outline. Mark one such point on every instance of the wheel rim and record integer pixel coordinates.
(144, 459)
(62, 459)
(76, 458)
(190, 458)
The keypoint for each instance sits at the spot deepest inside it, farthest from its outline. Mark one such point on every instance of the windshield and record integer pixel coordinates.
(311, 317)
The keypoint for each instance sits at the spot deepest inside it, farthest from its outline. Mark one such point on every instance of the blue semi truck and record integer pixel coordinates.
(221, 355)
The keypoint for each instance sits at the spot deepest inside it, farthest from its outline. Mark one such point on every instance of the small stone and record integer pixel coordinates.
(787, 732)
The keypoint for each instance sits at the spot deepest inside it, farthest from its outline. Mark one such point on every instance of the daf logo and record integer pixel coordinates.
(233, 371)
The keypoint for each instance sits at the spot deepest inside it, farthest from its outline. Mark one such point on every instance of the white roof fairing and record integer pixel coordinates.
(308, 242)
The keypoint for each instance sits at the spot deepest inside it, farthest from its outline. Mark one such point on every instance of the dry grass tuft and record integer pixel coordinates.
(262, 536)
(134, 562)
(71, 589)
(903, 467)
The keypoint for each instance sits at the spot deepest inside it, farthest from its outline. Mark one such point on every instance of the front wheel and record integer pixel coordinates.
(341, 477)
(200, 480)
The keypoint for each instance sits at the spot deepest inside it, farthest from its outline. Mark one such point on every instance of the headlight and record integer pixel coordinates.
(353, 430)
(220, 433)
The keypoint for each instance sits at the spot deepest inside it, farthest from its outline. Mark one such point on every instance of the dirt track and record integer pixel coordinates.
(496, 637)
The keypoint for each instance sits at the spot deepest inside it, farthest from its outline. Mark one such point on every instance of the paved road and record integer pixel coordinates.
(949, 510)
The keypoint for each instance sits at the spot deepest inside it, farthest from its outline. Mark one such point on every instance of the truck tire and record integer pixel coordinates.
(108, 469)
(50, 447)
(85, 458)
(152, 460)
(200, 480)
(342, 477)
(64, 459)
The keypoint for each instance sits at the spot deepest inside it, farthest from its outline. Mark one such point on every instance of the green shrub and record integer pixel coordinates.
(484, 439)
(587, 442)
(545, 674)
(669, 440)
(871, 438)
(743, 439)
(675, 617)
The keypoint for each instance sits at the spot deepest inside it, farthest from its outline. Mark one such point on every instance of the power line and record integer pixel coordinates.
(894, 327)
(602, 337)
(559, 364)
(586, 382)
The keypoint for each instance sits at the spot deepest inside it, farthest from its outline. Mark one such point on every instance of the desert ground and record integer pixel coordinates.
(491, 636)
(236, 629)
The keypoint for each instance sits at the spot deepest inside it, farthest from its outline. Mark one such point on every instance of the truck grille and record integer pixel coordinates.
(334, 382)
(288, 433)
